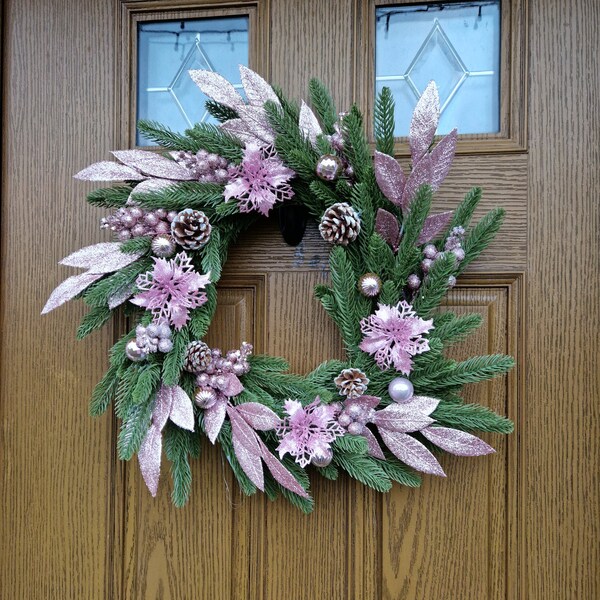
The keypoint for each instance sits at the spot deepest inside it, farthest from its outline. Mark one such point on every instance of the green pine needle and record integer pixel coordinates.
(384, 121)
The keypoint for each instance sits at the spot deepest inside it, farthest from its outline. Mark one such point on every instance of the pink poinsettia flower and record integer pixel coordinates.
(393, 334)
(260, 181)
(307, 431)
(171, 290)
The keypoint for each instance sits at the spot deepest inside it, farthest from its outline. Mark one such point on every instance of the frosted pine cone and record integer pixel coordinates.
(340, 224)
(352, 383)
(191, 229)
(198, 357)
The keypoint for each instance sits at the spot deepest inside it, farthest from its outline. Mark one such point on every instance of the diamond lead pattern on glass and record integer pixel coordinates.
(456, 45)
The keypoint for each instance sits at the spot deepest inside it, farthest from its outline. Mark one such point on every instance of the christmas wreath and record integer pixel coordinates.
(382, 412)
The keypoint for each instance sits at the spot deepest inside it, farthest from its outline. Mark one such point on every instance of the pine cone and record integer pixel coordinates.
(340, 224)
(191, 229)
(352, 383)
(198, 357)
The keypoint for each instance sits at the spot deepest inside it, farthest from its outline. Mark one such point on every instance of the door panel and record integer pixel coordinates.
(76, 523)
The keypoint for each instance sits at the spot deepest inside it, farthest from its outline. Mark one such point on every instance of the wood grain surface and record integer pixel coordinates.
(522, 523)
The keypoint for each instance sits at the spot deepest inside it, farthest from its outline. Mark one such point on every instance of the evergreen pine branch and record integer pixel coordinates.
(457, 328)
(125, 390)
(179, 445)
(481, 235)
(412, 226)
(137, 244)
(268, 364)
(186, 194)
(134, 427)
(357, 148)
(146, 384)
(351, 444)
(323, 193)
(390, 293)
(399, 472)
(173, 362)
(329, 472)
(104, 391)
(201, 318)
(384, 121)
(365, 469)
(290, 107)
(323, 145)
(98, 295)
(464, 212)
(379, 258)
(111, 197)
(326, 372)
(162, 136)
(220, 112)
(471, 417)
(322, 102)
(472, 370)
(343, 189)
(211, 256)
(435, 286)
(214, 140)
(94, 319)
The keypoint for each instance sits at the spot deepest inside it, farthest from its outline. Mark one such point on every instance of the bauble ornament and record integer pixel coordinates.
(400, 390)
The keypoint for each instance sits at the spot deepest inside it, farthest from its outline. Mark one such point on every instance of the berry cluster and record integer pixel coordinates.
(205, 166)
(133, 221)
(354, 417)
(154, 338)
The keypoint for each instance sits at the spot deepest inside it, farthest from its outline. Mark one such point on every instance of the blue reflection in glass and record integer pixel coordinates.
(167, 50)
(457, 45)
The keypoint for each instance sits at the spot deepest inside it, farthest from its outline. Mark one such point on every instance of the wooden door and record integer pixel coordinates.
(519, 524)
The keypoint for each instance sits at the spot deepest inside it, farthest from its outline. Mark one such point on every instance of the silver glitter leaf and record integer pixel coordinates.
(107, 170)
(257, 124)
(309, 124)
(433, 226)
(150, 185)
(373, 445)
(390, 177)
(153, 164)
(217, 88)
(411, 452)
(424, 122)
(69, 288)
(258, 91)
(121, 295)
(423, 404)
(239, 130)
(182, 409)
(214, 418)
(162, 406)
(441, 158)
(457, 442)
(104, 257)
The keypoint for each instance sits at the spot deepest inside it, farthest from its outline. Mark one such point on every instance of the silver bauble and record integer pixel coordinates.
(400, 390)
(163, 246)
(322, 459)
(329, 167)
(205, 397)
(369, 285)
(134, 352)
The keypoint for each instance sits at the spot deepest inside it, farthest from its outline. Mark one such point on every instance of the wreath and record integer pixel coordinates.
(381, 413)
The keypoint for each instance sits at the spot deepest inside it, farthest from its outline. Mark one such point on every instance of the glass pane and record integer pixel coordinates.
(457, 45)
(167, 50)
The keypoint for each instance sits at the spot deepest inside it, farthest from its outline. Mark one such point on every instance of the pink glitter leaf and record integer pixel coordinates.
(424, 122)
(246, 448)
(105, 257)
(365, 402)
(69, 288)
(231, 385)
(108, 171)
(373, 445)
(238, 129)
(217, 88)
(422, 404)
(433, 226)
(150, 185)
(457, 442)
(420, 175)
(149, 457)
(386, 225)
(309, 124)
(258, 416)
(411, 452)
(258, 91)
(441, 158)
(390, 177)
(397, 418)
(256, 122)
(121, 295)
(280, 473)
(182, 409)
(153, 164)
(214, 418)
